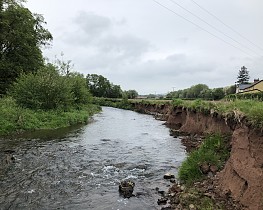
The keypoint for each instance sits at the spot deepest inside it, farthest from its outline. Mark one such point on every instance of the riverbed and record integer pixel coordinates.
(80, 167)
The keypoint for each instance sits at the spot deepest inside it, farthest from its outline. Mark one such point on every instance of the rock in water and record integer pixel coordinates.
(162, 201)
(168, 176)
(126, 188)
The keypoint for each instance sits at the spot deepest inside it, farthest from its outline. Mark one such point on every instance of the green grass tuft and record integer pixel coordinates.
(213, 151)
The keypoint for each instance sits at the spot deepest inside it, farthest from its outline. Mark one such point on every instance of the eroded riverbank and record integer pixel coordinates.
(242, 177)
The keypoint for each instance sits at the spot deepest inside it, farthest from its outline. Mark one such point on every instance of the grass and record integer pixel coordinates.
(16, 119)
(213, 151)
(196, 198)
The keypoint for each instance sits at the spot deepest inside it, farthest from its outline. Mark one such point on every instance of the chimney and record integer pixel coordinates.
(256, 80)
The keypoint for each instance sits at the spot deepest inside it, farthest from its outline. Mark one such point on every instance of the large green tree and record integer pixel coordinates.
(21, 37)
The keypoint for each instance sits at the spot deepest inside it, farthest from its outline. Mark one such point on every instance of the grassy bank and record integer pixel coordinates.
(197, 172)
(252, 110)
(212, 152)
(17, 119)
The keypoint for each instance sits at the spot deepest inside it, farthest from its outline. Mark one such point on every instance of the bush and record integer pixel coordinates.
(81, 95)
(44, 90)
(47, 90)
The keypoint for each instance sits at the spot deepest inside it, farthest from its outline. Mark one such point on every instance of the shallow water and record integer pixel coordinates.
(80, 167)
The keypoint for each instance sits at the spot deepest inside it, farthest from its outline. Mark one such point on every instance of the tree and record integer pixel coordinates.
(230, 90)
(243, 76)
(131, 94)
(99, 86)
(196, 91)
(218, 93)
(21, 36)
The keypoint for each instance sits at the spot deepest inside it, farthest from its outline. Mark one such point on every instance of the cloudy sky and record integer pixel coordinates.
(155, 46)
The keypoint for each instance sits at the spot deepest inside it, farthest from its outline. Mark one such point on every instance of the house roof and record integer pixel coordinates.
(244, 86)
(251, 85)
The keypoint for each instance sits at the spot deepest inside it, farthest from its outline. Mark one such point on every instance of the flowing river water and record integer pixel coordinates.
(81, 167)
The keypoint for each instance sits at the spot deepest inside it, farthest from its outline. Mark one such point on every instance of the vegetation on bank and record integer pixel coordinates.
(202, 91)
(238, 109)
(16, 119)
(116, 103)
(212, 152)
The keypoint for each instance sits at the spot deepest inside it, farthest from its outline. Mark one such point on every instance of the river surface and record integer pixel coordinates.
(81, 167)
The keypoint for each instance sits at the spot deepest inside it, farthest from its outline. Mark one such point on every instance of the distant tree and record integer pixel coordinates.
(21, 36)
(206, 94)
(230, 90)
(131, 94)
(151, 96)
(99, 86)
(243, 76)
(218, 93)
(196, 91)
(115, 91)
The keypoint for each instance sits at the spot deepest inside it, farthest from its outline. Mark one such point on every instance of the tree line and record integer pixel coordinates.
(202, 91)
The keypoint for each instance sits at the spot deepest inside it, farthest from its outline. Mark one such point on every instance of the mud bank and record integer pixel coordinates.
(242, 176)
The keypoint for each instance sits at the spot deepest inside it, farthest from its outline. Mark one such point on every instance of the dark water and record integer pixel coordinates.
(81, 168)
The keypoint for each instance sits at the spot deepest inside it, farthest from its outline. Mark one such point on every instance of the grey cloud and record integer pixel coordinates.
(124, 47)
(92, 24)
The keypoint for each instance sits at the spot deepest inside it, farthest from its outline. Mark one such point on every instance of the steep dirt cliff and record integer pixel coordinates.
(242, 176)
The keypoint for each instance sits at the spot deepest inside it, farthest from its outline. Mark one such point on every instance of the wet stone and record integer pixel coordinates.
(162, 201)
(168, 176)
(126, 188)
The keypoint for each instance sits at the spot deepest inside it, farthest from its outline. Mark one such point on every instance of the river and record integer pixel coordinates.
(81, 167)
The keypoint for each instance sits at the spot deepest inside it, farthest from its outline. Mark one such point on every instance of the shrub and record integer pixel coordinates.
(44, 90)
(81, 95)
(47, 89)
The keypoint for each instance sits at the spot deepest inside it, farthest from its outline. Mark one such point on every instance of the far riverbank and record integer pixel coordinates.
(15, 119)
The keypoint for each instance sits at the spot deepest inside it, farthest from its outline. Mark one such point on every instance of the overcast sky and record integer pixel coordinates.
(139, 44)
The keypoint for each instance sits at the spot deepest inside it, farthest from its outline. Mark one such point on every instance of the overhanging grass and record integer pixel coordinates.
(251, 109)
(213, 151)
(14, 118)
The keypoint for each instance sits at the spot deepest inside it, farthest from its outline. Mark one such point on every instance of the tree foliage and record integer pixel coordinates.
(243, 76)
(131, 94)
(47, 89)
(21, 36)
(99, 86)
(201, 91)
